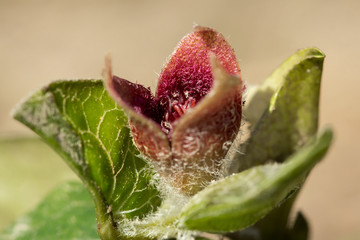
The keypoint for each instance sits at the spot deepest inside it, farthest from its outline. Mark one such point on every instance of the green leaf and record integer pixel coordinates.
(83, 124)
(283, 111)
(242, 199)
(275, 225)
(66, 213)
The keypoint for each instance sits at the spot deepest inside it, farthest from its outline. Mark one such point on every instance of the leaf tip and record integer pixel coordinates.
(18, 112)
(313, 52)
(326, 137)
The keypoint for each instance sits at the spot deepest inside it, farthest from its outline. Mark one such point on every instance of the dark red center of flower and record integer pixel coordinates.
(176, 109)
(182, 88)
(166, 110)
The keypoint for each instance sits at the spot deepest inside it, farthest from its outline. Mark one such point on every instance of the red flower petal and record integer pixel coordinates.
(202, 136)
(139, 104)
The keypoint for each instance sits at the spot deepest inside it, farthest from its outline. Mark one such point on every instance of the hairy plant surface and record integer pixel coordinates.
(174, 165)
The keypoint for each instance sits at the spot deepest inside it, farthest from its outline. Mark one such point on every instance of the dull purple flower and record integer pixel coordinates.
(187, 127)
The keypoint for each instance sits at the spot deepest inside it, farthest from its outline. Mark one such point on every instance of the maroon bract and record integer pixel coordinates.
(187, 128)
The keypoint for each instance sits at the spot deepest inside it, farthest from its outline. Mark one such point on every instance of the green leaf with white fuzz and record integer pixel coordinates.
(85, 126)
(282, 112)
(258, 97)
(242, 199)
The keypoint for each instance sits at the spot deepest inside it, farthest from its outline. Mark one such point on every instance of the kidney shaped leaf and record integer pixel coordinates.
(85, 126)
(242, 199)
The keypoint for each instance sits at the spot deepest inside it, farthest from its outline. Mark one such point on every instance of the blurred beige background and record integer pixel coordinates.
(42, 41)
